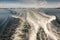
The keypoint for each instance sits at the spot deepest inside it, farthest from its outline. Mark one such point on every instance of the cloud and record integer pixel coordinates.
(25, 6)
(29, 4)
(36, 2)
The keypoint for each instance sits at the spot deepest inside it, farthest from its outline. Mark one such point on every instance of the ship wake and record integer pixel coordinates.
(37, 26)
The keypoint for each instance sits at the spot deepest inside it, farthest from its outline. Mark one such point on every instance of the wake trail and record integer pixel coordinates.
(40, 20)
(36, 21)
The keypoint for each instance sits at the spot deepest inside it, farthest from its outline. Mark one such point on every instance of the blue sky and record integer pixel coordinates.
(53, 3)
(27, 0)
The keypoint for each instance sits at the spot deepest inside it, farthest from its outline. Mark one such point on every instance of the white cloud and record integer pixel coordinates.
(40, 4)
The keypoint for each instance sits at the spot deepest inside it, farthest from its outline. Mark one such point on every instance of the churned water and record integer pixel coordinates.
(29, 24)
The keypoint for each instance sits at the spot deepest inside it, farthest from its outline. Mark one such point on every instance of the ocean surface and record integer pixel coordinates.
(12, 21)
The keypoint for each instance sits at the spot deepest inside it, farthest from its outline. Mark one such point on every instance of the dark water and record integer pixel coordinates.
(4, 18)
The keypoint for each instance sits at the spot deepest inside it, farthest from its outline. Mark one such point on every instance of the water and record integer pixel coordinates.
(4, 16)
(45, 19)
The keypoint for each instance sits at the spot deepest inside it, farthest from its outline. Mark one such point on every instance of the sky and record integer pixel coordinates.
(29, 3)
